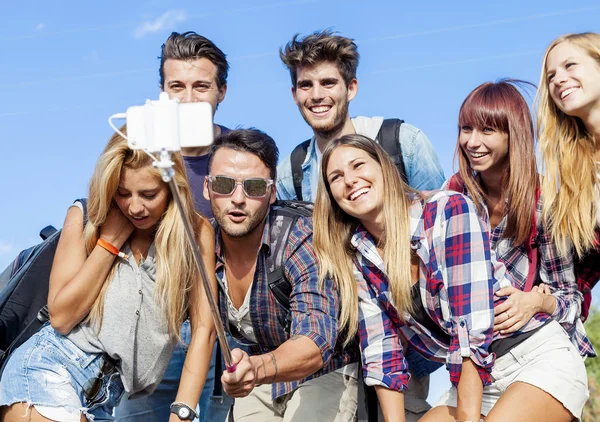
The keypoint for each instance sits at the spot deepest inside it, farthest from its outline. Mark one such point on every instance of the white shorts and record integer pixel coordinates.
(547, 360)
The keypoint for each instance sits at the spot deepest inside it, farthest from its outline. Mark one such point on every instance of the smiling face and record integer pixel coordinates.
(237, 214)
(322, 97)
(193, 81)
(142, 197)
(355, 180)
(485, 148)
(573, 79)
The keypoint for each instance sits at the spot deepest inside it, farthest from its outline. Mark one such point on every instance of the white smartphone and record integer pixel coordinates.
(167, 124)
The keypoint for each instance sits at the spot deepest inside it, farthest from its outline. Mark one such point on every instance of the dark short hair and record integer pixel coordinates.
(318, 47)
(252, 141)
(191, 46)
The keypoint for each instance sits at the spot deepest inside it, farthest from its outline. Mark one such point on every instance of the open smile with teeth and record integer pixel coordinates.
(567, 91)
(138, 218)
(359, 193)
(320, 109)
(478, 154)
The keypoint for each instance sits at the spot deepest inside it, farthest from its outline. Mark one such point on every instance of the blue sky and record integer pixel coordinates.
(68, 65)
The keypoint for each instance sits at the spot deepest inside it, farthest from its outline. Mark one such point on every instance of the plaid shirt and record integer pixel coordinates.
(314, 310)
(554, 269)
(458, 276)
(587, 270)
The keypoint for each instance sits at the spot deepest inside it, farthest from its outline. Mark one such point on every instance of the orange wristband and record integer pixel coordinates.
(111, 248)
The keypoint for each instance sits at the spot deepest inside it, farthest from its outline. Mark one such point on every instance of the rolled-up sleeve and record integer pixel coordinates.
(314, 308)
(383, 362)
(556, 270)
(470, 282)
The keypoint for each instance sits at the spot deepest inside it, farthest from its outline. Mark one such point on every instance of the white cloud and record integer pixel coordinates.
(40, 26)
(165, 21)
(6, 247)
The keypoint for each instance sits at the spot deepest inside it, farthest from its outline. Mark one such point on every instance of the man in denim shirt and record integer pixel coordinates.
(323, 71)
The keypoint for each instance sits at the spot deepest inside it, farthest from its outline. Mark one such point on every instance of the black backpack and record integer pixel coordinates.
(24, 291)
(282, 221)
(388, 137)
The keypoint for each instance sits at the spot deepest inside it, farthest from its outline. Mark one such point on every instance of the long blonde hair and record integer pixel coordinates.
(333, 230)
(568, 150)
(175, 267)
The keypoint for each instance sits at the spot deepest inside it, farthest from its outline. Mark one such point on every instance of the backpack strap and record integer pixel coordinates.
(283, 220)
(296, 159)
(389, 139)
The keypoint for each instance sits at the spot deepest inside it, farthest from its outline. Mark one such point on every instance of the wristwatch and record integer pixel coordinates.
(183, 411)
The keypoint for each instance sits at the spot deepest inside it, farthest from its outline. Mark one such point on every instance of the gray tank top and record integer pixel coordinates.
(134, 329)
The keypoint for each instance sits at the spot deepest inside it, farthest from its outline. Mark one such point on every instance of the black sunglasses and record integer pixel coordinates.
(253, 187)
(93, 386)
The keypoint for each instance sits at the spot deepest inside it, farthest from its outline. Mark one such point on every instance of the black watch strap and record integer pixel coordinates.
(183, 411)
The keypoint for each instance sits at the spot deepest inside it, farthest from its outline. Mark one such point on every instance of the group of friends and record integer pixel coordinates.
(395, 274)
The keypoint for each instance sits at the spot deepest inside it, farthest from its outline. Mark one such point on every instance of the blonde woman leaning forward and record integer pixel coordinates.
(120, 289)
(422, 269)
(569, 136)
(497, 170)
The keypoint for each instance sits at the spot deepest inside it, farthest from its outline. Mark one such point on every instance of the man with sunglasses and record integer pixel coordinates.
(289, 373)
(192, 69)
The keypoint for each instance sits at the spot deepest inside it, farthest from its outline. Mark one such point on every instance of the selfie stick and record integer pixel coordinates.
(165, 165)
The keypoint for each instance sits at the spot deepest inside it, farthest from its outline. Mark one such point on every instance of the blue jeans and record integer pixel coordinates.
(156, 407)
(52, 373)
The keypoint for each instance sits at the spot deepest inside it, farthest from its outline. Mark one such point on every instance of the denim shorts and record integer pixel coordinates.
(547, 360)
(52, 374)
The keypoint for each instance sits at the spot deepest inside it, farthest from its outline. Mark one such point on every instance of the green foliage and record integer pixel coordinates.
(592, 327)
(591, 412)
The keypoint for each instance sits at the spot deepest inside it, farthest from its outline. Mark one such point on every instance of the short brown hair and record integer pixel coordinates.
(321, 46)
(190, 46)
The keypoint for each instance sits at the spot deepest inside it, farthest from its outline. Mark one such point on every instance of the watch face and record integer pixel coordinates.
(183, 413)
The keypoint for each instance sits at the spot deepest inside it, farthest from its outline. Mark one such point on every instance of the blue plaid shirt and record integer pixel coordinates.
(458, 276)
(314, 310)
(554, 269)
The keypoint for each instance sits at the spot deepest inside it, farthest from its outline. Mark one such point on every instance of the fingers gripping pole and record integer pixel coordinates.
(165, 166)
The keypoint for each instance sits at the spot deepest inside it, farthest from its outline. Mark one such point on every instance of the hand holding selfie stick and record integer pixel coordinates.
(164, 126)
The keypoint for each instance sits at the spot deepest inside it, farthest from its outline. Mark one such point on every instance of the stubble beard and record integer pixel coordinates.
(332, 130)
(239, 231)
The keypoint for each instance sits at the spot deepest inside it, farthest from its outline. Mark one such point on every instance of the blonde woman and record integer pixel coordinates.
(422, 269)
(569, 136)
(497, 170)
(120, 288)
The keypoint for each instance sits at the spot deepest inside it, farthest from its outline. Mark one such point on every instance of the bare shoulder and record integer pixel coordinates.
(206, 232)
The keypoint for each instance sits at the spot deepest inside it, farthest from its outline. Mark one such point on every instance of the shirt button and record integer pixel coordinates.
(137, 312)
(140, 291)
(265, 349)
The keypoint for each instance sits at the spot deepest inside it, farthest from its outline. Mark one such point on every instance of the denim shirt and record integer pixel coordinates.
(423, 169)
